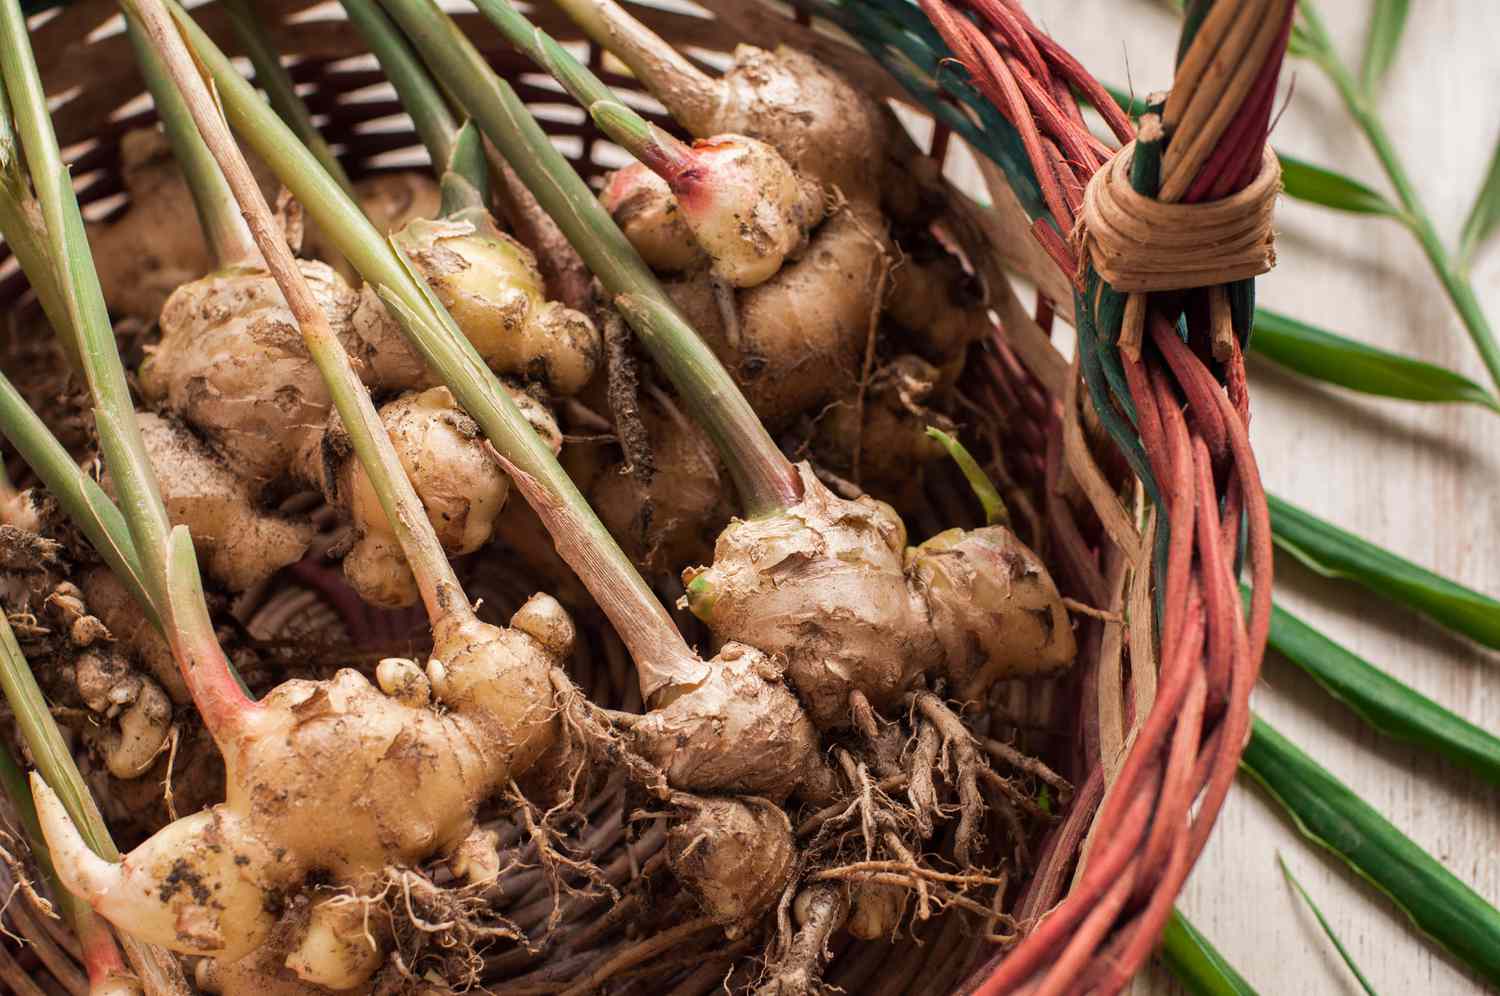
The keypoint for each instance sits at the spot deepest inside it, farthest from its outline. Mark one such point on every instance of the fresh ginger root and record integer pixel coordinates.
(666, 515)
(133, 715)
(239, 544)
(831, 137)
(826, 130)
(137, 714)
(732, 203)
(735, 855)
(799, 338)
(461, 485)
(492, 287)
(231, 362)
(340, 780)
(890, 427)
(830, 584)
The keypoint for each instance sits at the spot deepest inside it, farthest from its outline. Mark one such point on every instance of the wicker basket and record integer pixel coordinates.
(1144, 735)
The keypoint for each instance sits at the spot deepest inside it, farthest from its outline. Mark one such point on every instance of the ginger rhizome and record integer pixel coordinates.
(491, 286)
(335, 777)
(869, 293)
(830, 585)
(460, 484)
(815, 736)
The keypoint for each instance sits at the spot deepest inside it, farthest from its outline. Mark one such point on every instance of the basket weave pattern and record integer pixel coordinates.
(1163, 715)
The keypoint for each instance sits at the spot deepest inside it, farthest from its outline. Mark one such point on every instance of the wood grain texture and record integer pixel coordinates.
(1422, 481)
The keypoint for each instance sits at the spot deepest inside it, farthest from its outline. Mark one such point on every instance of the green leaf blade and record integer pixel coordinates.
(1322, 355)
(1328, 931)
(1386, 26)
(1196, 963)
(984, 489)
(1385, 704)
(1322, 186)
(1328, 813)
(1484, 216)
(1333, 552)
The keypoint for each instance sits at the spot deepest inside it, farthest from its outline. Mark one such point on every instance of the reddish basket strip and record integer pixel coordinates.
(1193, 428)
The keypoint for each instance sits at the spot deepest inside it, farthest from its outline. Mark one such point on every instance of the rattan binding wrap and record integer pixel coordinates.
(1080, 503)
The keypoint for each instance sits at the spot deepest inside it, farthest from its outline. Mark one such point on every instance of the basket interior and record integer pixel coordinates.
(98, 96)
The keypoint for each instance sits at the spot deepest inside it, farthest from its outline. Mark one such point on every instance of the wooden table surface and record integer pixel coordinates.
(1418, 480)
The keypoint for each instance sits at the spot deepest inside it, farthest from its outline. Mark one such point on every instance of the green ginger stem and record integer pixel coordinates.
(662, 656)
(690, 94)
(167, 567)
(272, 77)
(434, 122)
(441, 591)
(228, 237)
(765, 479)
(656, 149)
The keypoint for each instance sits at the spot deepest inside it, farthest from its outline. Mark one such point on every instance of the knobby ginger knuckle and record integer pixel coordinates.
(232, 363)
(736, 855)
(891, 428)
(460, 484)
(335, 950)
(672, 518)
(826, 129)
(642, 205)
(746, 207)
(941, 306)
(994, 607)
(802, 333)
(491, 286)
(387, 362)
(821, 584)
(337, 778)
(134, 714)
(740, 731)
(239, 544)
(875, 911)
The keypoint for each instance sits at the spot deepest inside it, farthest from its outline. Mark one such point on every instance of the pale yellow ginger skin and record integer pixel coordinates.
(238, 544)
(829, 585)
(456, 476)
(752, 212)
(642, 205)
(801, 337)
(737, 856)
(137, 713)
(825, 129)
(335, 777)
(822, 584)
(491, 286)
(232, 363)
(739, 731)
(994, 607)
